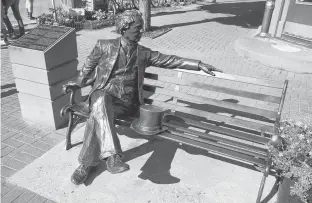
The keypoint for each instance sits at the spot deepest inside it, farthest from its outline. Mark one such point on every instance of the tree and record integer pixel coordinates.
(145, 9)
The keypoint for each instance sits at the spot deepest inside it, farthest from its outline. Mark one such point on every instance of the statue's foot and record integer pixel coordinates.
(80, 175)
(13, 36)
(114, 164)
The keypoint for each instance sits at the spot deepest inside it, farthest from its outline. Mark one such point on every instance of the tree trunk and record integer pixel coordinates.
(145, 9)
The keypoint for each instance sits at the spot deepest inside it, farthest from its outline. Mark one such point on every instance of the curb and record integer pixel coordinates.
(260, 51)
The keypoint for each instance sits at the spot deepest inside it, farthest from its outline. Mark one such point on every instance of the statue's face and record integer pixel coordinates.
(134, 32)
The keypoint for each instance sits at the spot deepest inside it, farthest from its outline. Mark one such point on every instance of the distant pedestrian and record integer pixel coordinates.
(30, 8)
(14, 4)
(3, 28)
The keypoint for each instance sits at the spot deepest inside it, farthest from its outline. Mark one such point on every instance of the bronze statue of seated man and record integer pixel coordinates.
(119, 65)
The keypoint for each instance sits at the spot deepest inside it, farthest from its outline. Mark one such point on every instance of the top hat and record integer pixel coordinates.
(149, 121)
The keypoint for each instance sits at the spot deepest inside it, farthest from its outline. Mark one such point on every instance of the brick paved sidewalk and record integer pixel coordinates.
(206, 32)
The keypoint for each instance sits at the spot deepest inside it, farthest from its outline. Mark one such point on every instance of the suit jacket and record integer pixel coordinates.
(103, 57)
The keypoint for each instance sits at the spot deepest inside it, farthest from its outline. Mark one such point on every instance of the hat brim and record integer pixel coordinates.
(136, 128)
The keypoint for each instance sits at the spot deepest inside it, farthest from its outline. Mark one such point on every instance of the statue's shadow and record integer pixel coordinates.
(157, 167)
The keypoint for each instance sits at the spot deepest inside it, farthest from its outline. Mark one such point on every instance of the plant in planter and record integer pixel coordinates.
(78, 18)
(100, 15)
(45, 19)
(293, 156)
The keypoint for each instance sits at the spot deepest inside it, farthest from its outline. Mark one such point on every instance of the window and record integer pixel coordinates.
(306, 2)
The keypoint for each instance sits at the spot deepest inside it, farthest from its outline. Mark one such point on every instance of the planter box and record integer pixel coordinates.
(42, 61)
(90, 24)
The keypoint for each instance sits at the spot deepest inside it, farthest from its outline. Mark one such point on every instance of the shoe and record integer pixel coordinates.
(12, 36)
(80, 175)
(115, 165)
(31, 17)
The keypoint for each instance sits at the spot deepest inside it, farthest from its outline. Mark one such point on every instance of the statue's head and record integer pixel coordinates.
(129, 24)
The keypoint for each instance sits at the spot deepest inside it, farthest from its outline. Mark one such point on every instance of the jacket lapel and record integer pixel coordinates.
(114, 50)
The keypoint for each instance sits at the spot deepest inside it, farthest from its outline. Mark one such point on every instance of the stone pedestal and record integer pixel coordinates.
(43, 61)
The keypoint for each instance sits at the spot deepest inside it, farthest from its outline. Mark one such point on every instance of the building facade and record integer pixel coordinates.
(292, 21)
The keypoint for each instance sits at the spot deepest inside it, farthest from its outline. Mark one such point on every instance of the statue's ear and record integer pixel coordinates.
(127, 26)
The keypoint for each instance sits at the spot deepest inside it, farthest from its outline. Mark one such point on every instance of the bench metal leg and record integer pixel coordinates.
(265, 175)
(283, 195)
(69, 131)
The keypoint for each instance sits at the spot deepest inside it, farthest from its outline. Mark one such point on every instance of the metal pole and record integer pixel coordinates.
(266, 21)
(54, 11)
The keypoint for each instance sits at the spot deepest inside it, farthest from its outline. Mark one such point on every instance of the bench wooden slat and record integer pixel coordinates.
(249, 149)
(241, 93)
(212, 116)
(239, 78)
(205, 146)
(223, 104)
(185, 133)
(226, 131)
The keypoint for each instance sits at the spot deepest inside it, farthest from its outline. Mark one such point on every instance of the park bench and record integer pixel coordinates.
(199, 114)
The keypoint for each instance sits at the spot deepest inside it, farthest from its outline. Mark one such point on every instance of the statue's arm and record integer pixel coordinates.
(90, 64)
(171, 61)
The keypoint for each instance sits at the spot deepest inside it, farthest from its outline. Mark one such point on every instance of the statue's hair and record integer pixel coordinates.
(124, 20)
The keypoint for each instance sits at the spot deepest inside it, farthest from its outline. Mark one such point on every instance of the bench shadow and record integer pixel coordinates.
(157, 167)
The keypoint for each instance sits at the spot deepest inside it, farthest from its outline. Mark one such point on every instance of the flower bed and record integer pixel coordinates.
(87, 20)
(89, 24)
(293, 156)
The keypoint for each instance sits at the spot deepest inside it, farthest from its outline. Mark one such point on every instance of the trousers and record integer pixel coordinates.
(100, 138)
(14, 4)
(30, 5)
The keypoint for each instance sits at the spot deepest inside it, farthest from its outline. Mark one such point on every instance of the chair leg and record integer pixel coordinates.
(265, 175)
(69, 131)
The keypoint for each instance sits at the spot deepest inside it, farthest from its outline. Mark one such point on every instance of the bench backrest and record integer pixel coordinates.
(251, 106)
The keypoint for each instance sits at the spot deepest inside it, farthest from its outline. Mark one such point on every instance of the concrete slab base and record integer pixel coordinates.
(275, 53)
(195, 176)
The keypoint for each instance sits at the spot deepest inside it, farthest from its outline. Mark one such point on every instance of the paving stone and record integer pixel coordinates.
(26, 158)
(41, 145)
(7, 135)
(17, 150)
(49, 201)
(6, 150)
(3, 145)
(6, 172)
(50, 141)
(14, 194)
(6, 188)
(31, 150)
(25, 139)
(13, 143)
(38, 199)
(25, 197)
(56, 136)
(13, 163)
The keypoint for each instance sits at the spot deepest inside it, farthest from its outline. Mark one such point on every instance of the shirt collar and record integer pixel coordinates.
(127, 43)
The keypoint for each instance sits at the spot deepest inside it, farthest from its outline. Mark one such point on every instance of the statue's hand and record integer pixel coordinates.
(208, 68)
